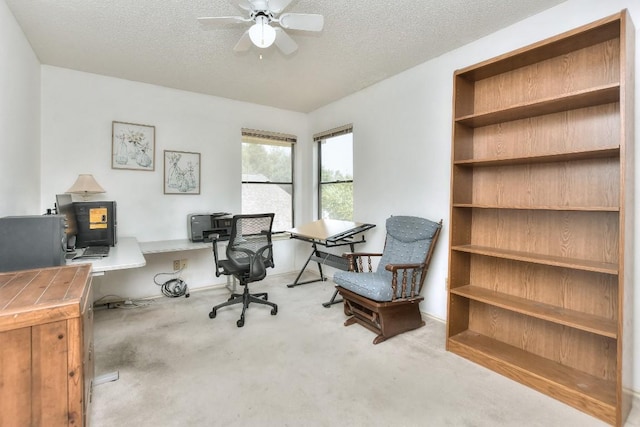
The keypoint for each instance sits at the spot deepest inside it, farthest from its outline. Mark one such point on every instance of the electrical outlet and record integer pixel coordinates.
(179, 264)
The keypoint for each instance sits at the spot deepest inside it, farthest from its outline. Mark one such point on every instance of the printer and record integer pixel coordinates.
(201, 226)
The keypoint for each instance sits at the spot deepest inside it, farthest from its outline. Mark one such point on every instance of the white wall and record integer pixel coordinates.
(402, 135)
(19, 120)
(77, 113)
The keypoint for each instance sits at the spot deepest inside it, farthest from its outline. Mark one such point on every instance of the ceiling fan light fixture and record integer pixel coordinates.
(267, 24)
(261, 33)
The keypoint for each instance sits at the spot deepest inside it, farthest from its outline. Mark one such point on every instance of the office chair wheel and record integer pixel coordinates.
(212, 315)
(274, 311)
(240, 322)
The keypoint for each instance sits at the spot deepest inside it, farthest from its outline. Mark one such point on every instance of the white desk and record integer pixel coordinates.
(177, 245)
(125, 254)
(180, 245)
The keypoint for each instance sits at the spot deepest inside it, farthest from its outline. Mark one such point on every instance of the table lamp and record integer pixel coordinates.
(85, 186)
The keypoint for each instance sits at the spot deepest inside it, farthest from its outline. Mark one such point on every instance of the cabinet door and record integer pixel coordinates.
(50, 376)
(15, 377)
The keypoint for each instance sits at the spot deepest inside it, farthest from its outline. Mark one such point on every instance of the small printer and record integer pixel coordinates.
(201, 226)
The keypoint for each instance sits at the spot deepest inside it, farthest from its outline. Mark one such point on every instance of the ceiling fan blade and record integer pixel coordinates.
(302, 21)
(277, 6)
(244, 43)
(284, 42)
(216, 21)
(243, 4)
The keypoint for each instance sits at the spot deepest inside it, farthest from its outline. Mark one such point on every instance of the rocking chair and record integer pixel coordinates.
(387, 300)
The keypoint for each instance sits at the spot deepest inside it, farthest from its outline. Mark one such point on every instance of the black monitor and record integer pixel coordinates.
(64, 206)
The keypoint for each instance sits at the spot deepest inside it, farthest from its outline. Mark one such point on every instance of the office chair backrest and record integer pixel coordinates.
(250, 244)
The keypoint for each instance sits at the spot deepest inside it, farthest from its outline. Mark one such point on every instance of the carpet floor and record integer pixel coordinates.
(301, 367)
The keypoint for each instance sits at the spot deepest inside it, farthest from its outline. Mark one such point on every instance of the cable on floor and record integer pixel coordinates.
(129, 304)
(174, 287)
(116, 301)
(110, 297)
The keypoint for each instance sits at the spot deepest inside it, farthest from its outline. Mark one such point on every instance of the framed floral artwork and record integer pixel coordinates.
(133, 146)
(181, 172)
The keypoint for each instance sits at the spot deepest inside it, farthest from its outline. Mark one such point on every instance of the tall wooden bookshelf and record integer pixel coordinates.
(541, 216)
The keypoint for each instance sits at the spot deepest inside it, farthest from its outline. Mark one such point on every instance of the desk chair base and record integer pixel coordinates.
(245, 299)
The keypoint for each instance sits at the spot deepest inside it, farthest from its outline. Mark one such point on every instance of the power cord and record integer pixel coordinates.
(116, 301)
(108, 301)
(128, 304)
(111, 298)
(173, 288)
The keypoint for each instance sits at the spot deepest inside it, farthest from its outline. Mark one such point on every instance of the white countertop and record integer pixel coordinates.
(125, 254)
(177, 245)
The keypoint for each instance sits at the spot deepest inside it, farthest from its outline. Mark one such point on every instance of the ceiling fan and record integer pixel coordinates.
(263, 14)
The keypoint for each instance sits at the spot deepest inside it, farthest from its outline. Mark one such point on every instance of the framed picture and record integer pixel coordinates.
(133, 146)
(181, 172)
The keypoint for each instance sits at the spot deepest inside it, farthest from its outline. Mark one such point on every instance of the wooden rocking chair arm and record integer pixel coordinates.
(395, 267)
(359, 254)
(357, 260)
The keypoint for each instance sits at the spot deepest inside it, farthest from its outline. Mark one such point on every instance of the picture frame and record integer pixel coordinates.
(133, 146)
(181, 172)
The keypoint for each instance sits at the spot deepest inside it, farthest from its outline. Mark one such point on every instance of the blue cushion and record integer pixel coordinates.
(370, 285)
(408, 241)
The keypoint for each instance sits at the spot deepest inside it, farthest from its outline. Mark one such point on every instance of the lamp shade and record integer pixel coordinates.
(261, 33)
(85, 184)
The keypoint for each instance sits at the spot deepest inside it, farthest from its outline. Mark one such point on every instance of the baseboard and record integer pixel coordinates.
(426, 316)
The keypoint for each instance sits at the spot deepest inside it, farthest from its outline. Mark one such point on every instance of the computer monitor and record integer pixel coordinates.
(64, 206)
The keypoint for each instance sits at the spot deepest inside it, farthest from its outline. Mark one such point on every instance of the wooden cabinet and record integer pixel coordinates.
(46, 351)
(541, 216)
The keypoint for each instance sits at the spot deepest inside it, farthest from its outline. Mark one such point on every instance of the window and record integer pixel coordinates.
(267, 175)
(335, 173)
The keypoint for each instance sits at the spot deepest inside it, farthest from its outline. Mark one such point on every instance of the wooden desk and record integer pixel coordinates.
(46, 355)
(328, 233)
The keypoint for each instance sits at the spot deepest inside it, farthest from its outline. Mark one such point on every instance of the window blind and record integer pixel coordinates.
(341, 130)
(254, 136)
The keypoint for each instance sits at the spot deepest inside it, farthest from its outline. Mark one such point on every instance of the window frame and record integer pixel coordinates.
(319, 138)
(260, 137)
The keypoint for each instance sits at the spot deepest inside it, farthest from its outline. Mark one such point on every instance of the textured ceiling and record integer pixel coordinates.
(160, 42)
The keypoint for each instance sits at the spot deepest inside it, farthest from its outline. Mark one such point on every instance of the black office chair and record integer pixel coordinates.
(249, 254)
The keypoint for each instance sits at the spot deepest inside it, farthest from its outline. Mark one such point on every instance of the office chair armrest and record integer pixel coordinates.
(214, 243)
